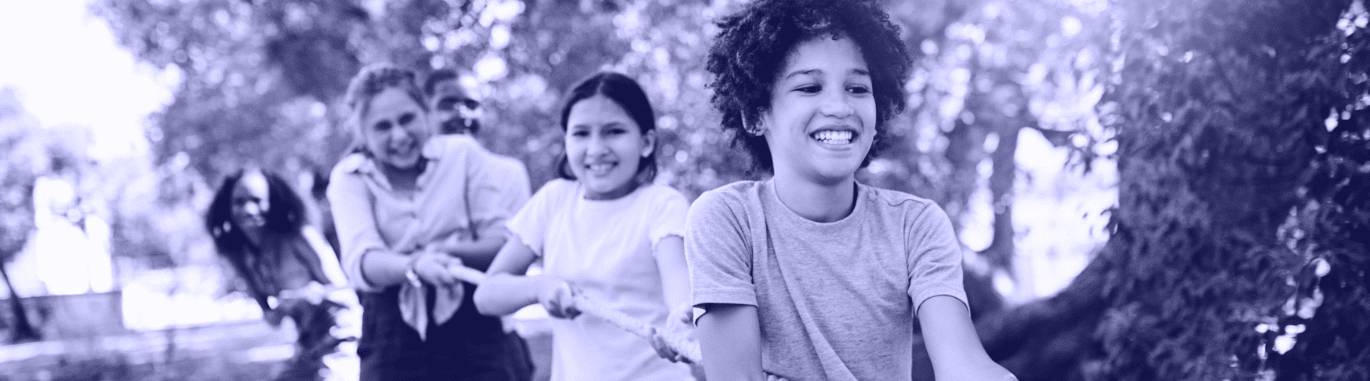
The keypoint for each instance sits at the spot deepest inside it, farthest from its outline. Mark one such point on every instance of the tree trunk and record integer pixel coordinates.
(23, 330)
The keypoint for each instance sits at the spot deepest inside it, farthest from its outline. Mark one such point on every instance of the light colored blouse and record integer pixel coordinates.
(459, 197)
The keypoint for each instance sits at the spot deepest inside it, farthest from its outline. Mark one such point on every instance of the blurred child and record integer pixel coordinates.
(259, 225)
(603, 230)
(410, 206)
(810, 275)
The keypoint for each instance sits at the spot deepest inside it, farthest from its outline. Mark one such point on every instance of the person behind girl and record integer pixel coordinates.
(810, 275)
(602, 230)
(259, 226)
(408, 208)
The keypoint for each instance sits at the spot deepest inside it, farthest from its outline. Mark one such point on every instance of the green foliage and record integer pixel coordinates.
(19, 140)
(253, 75)
(1330, 231)
(1216, 104)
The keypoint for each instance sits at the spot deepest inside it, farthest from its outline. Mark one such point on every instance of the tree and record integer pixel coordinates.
(19, 138)
(1218, 106)
(253, 75)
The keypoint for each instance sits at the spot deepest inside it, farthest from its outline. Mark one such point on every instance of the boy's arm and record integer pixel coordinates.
(730, 338)
(952, 343)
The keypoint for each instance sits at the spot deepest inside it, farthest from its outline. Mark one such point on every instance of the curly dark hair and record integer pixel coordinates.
(629, 95)
(430, 83)
(287, 215)
(753, 45)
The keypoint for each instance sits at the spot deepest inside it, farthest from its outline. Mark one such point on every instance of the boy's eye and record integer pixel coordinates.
(615, 131)
(809, 89)
(382, 125)
(859, 89)
(580, 133)
(406, 118)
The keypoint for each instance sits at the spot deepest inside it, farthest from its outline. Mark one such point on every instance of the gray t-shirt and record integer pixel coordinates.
(836, 301)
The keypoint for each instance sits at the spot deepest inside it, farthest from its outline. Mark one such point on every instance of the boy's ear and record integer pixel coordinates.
(648, 143)
(757, 126)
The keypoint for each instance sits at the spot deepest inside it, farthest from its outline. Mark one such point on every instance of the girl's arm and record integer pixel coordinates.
(675, 276)
(675, 289)
(506, 290)
(953, 345)
(328, 260)
(367, 261)
(730, 338)
(477, 254)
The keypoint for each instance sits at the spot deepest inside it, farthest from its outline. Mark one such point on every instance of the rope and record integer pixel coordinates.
(680, 344)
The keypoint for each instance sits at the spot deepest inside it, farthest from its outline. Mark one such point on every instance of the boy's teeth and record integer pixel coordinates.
(834, 137)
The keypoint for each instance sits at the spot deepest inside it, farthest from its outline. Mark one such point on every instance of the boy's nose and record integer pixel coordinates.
(837, 105)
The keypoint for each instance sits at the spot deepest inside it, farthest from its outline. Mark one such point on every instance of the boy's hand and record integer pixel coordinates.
(559, 298)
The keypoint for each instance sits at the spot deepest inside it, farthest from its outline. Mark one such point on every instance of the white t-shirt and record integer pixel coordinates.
(606, 249)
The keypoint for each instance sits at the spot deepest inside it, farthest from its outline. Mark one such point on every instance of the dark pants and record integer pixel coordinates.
(467, 347)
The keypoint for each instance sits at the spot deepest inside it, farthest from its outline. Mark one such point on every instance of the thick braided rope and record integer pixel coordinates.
(681, 345)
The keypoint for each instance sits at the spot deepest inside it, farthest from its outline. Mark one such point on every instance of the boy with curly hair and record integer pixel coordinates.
(810, 275)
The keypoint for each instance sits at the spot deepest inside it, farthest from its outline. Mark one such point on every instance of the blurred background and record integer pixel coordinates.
(1145, 189)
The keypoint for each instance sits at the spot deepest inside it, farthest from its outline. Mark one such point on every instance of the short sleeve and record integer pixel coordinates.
(529, 225)
(934, 260)
(717, 251)
(668, 216)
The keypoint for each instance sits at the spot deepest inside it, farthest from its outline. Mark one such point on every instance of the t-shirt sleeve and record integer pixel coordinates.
(529, 225)
(668, 216)
(934, 261)
(718, 253)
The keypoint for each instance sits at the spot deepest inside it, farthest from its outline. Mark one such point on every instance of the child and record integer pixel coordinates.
(409, 206)
(603, 230)
(810, 275)
(259, 225)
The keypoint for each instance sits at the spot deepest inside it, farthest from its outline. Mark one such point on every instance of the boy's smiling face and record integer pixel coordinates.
(821, 121)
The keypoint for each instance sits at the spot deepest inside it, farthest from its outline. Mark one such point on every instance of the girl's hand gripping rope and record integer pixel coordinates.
(568, 302)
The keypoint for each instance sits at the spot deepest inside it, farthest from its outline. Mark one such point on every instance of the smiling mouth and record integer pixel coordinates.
(834, 137)
(600, 169)
(404, 150)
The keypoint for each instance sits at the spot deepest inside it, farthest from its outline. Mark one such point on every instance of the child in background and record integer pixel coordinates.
(810, 275)
(604, 230)
(259, 225)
